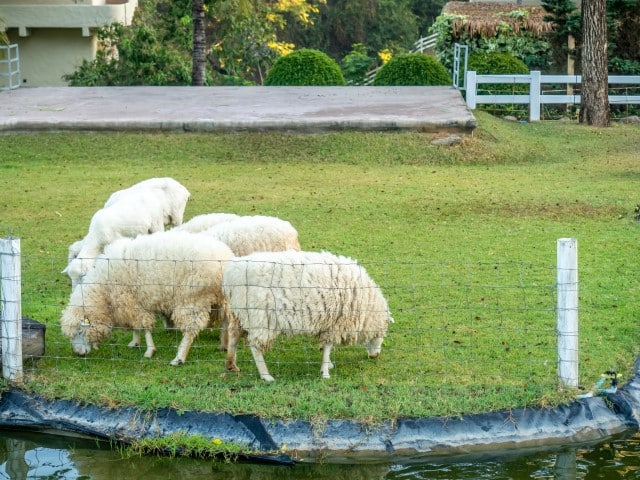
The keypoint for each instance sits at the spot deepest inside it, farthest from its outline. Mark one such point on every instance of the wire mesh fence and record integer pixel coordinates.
(470, 326)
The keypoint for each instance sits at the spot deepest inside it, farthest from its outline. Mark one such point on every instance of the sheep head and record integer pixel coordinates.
(83, 326)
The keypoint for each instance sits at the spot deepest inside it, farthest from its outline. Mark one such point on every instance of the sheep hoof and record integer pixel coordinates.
(149, 353)
(176, 362)
(133, 344)
(267, 378)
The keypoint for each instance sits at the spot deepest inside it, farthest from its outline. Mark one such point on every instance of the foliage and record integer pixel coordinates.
(305, 67)
(623, 29)
(533, 50)
(566, 21)
(356, 63)
(496, 63)
(499, 64)
(3, 35)
(183, 445)
(339, 24)
(132, 56)
(426, 12)
(412, 69)
(621, 66)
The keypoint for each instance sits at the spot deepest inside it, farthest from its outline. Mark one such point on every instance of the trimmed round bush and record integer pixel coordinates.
(500, 64)
(412, 69)
(304, 67)
(496, 63)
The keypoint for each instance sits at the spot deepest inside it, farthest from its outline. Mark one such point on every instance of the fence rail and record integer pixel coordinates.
(536, 97)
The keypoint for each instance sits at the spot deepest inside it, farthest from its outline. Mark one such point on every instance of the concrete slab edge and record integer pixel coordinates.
(465, 126)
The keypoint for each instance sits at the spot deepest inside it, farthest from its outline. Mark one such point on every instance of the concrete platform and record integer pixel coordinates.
(213, 109)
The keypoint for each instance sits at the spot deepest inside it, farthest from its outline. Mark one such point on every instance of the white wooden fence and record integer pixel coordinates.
(536, 97)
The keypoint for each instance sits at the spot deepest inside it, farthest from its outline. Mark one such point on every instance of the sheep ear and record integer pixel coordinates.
(65, 269)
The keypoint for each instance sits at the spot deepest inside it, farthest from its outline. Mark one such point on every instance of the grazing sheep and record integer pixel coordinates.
(170, 193)
(144, 208)
(175, 274)
(199, 223)
(301, 293)
(257, 233)
(249, 234)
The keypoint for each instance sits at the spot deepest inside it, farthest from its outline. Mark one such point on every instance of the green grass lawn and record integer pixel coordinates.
(462, 241)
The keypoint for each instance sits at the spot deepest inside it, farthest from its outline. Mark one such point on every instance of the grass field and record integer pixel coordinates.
(461, 239)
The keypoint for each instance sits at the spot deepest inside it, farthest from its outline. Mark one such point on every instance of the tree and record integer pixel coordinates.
(594, 108)
(199, 62)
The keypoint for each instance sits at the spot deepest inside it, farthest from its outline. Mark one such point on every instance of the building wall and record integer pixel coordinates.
(55, 36)
(49, 53)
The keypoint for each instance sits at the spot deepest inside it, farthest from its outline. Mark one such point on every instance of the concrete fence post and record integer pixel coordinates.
(567, 273)
(11, 313)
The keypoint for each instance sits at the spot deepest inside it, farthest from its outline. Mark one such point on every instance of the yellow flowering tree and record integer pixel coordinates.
(246, 42)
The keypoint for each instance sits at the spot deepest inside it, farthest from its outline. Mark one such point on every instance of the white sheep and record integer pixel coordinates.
(301, 293)
(175, 274)
(141, 209)
(256, 233)
(205, 221)
(170, 193)
(249, 234)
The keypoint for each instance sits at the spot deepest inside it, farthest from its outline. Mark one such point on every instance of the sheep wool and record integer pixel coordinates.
(257, 233)
(170, 194)
(142, 209)
(200, 223)
(302, 293)
(175, 274)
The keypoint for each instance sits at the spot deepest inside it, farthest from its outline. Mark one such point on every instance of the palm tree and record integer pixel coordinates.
(198, 69)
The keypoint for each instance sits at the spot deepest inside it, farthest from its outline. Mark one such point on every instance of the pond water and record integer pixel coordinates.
(39, 456)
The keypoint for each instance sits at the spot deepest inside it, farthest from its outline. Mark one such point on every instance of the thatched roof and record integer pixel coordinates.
(484, 18)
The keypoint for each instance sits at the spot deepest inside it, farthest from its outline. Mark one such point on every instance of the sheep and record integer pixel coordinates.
(301, 293)
(257, 233)
(175, 274)
(205, 221)
(249, 234)
(144, 208)
(171, 194)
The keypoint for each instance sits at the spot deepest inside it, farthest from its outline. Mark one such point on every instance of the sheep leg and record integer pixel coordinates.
(135, 341)
(260, 363)
(232, 343)
(151, 347)
(183, 348)
(326, 361)
(224, 336)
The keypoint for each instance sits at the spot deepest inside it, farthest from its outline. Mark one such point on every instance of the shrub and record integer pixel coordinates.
(412, 69)
(356, 63)
(305, 67)
(496, 63)
(500, 64)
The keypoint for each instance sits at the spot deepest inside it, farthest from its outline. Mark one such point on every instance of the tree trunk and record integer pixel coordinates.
(199, 59)
(595, 101)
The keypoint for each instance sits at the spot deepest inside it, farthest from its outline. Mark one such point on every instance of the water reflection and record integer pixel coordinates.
(29, 456)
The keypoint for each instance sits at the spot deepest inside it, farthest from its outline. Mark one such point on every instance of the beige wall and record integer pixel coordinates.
(47, 54)
(54, 36)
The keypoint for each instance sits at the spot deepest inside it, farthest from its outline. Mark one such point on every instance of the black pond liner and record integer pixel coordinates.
(583, 421)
